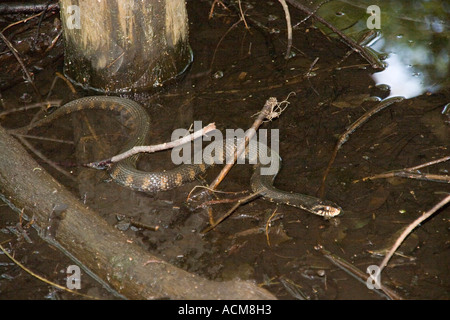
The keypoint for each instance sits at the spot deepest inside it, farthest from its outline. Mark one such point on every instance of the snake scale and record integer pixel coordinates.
(126, 174)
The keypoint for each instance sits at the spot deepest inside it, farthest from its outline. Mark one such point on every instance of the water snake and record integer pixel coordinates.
(125, 172)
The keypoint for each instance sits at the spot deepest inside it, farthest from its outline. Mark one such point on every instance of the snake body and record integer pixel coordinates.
(126, 174)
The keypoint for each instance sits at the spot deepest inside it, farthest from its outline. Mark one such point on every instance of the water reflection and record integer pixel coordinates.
(403, 79)
(418, 54)
(414, 35)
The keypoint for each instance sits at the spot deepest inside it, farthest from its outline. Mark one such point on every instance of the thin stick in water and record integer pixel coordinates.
(344, 136)
(410, 228)
(289, 28)
(150, 149)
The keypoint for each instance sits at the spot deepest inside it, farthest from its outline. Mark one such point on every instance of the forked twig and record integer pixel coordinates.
(243, 15)
(226, 215)
(266, 111)
(211, 11)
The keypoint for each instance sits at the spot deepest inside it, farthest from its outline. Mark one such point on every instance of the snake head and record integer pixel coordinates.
(100, 165)
(327, 210)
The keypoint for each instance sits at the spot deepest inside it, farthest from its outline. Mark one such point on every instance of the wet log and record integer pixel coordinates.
(124, 45)
(96, 246)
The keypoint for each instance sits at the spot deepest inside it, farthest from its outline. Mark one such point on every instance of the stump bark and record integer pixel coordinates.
(124, 45)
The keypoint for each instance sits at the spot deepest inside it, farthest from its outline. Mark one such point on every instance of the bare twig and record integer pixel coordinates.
(266, 111)
(21, 21)
(67, 82)
(150, 149)
(311, 13)
(413, 173)
(243, 15)
(423, 165)
(410, 228)
(29, 136)
(289, 28)
(344, 136)
(45, 104)
(220, 41)
(226, 215)
(44, 158)
(272, 216)
(294, 289)
(42, 278)
(211, 12)
(42, 19)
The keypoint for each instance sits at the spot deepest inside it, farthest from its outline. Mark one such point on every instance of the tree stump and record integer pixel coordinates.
(124, 45)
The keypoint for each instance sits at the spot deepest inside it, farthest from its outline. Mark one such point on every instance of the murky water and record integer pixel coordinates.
(232, 76)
